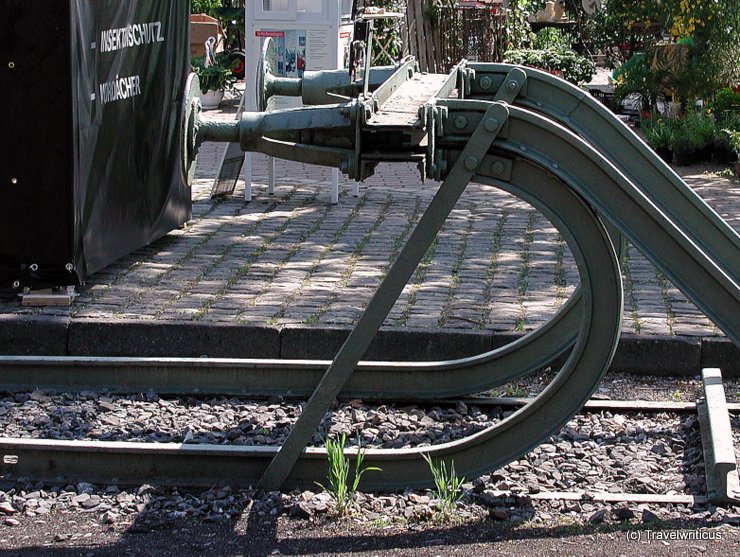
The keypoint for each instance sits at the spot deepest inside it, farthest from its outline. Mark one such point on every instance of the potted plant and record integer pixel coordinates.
(660, 135)
(214, 79)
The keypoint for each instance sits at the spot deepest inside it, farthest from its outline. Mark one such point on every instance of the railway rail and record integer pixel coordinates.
(127, 462)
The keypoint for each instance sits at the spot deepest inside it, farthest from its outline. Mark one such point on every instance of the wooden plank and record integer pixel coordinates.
(48, 297)
(402, 108)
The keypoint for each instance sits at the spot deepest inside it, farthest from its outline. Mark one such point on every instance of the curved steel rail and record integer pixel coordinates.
(486, 450)
(575, 109)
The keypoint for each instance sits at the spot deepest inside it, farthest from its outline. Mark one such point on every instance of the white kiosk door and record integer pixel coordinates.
(308, 35)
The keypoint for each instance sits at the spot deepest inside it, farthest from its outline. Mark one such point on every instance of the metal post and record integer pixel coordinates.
(271, 175)
(247, 177)
(334, 186)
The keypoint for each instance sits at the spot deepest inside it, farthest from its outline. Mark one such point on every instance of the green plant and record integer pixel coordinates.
(699, 128)
(517, 30)
(659, 131)
(726, 104)
(734, 139)
(207, 7)
(216, 77)
(574, 68)
(637, 77)
(447, 485)
(340, 487)
(552, 37)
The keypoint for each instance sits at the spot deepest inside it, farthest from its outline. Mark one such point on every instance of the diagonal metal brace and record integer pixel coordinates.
(377, 310)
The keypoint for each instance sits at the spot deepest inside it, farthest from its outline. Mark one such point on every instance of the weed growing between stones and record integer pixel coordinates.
(340, 487)
(447, 485)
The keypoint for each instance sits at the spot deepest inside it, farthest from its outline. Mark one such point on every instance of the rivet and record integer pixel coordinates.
(17, 284)
(69, 267)
(486, 82)
(512, 85)
(471, 163)
(498, 168)
(33, 267)
(460, 122)
(14, 181)
(11, 65)
(491, 124)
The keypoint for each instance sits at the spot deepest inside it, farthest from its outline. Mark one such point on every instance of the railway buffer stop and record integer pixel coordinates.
(518, 129)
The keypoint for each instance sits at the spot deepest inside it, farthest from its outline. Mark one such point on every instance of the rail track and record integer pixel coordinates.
(129, 462)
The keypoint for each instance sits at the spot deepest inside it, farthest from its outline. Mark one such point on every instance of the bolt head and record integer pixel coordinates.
(497, 168)
(471, 163)
(486, 82)
(460, 121)
(512, 85)
(491, 124)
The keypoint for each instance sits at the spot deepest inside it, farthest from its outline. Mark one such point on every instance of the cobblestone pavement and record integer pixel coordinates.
(294, 258)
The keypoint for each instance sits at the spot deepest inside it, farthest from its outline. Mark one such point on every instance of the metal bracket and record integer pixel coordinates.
(514, 84)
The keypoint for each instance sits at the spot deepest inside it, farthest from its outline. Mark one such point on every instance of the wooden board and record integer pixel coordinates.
(402, 109)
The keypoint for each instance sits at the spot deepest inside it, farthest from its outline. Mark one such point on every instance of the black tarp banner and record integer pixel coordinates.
(97, 169)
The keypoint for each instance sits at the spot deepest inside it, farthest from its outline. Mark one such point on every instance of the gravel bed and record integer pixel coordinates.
(227, 421)
(625, 386)
(657, 453)
(595, 452)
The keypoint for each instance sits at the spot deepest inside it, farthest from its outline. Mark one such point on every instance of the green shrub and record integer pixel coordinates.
(726, 104)
(659, 132)
(699, 128)
(574, 68)
(207, 7)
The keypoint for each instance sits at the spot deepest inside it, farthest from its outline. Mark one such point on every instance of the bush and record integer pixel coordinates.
(726, 104)
(207, 7)
(699, 128)
(574, 68)
(659, 132)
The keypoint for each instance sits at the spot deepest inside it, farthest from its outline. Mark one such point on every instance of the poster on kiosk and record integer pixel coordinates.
(308, 35)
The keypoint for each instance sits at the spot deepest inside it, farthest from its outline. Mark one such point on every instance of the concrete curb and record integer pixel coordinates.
(48, 335)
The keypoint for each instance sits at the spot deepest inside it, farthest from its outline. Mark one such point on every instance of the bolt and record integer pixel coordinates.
(11, 65)
(33, 267)
(512, 86)
(486, 82)
(498, 168)
(471, 163)
(69, 267)
(460, 122)
(491, 124)
(17, 284)
(14, 181)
